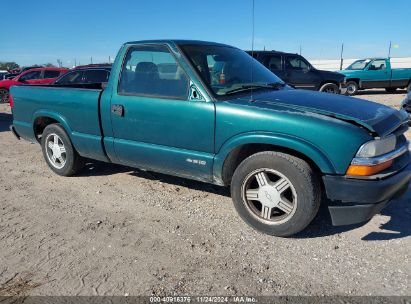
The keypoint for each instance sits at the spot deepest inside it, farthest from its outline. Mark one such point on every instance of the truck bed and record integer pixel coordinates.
(77, 109)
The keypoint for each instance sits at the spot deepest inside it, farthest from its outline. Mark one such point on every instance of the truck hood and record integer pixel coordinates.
(378, 119)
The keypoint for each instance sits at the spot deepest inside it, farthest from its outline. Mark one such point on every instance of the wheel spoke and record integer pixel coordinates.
(262, 179)
(62, 149)
(51, 145)
(54, 158)
(266, 212)
(285, 205)
(61, 160)
(56, 140)
(252, 194)
(282, 185)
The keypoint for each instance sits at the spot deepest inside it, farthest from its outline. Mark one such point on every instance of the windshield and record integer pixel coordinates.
(358, 65)
(229, 70)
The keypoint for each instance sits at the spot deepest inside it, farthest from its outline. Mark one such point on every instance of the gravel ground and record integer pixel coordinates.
(115, 230)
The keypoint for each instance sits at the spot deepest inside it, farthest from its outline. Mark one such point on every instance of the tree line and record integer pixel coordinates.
(14, 66)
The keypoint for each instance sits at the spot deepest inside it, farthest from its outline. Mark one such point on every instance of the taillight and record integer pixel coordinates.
(11, 101)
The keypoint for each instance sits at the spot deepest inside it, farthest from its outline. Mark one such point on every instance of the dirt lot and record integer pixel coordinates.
(115, 231)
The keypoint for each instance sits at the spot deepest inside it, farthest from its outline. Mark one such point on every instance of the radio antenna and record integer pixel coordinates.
(252, 48)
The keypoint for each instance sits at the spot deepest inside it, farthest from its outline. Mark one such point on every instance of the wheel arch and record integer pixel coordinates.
(41, 119)
(234, 151)
(356, 80)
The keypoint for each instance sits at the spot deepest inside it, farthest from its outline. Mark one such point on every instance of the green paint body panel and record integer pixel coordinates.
(192, 138)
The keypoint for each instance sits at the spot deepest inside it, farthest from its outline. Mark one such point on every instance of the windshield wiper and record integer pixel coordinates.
(247, 87)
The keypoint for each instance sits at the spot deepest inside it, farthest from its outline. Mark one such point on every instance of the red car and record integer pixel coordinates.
(32, 76)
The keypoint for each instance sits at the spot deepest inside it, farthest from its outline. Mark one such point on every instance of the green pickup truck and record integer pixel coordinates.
(212, 113)
(376, 73)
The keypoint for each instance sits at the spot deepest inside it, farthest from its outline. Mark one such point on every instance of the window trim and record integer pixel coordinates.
(152, 95)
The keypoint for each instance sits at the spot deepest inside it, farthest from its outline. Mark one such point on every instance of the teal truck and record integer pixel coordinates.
(210, 112)
(374, 73)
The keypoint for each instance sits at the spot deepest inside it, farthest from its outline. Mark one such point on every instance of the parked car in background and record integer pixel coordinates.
(194, 109)
(32, 76)
(17, 72)
(298, 72)
(374, 73)
(3, 74)
(86, 75)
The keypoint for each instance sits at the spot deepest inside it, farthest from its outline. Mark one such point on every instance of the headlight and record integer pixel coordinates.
(377, 147)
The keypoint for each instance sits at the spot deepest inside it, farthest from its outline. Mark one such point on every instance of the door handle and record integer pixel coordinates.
(117, 110)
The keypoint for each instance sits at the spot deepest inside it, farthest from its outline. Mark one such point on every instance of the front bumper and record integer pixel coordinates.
(356, 200)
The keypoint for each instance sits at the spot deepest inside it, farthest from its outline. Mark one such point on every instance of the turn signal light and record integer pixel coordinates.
(368, 170)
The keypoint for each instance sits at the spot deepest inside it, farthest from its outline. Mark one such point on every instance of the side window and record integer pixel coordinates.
(295, 63)
(31, 76)
(273, 62)
(71, 78)
(152, 70)
(96, 76)
(51, 74)
(377, 65)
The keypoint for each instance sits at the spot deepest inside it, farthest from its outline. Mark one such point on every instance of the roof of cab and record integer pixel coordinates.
(177, 41)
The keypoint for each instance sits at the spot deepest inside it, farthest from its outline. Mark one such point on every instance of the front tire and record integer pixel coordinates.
(276, 193)
(331, 88)
(352, 88)
(409, 87)
(59, 152)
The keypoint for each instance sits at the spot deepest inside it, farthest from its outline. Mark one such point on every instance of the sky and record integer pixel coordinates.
(38, 32)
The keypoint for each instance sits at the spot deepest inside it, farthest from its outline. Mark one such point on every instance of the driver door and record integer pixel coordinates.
(157, 125)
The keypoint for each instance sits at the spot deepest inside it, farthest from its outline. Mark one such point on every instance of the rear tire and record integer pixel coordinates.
(4, 96)
(276, 193)
(59, 152)
(352, 88)
(331, 88)
(391, 90)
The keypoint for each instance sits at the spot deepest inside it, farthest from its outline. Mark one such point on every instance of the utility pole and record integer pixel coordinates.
(300, 49)
(91, 59)
(342, 56)
(109, 59)
(389, 51)
(75, 62)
